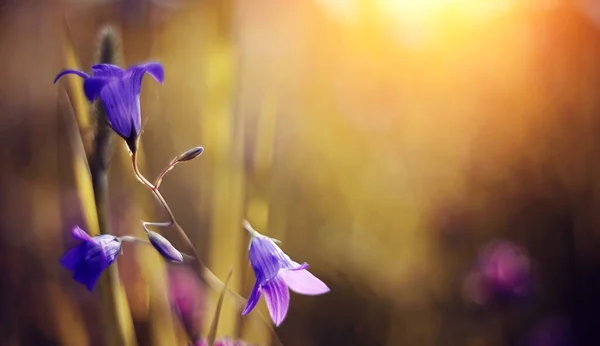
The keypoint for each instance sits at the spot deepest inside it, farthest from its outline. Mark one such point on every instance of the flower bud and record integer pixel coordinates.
(190, 154)
(164, 247)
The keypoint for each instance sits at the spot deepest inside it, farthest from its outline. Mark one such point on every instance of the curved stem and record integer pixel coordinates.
(169, 167)
(145, 224)
(158, 196)
(203, 273)
(138, 175)
(207, 276)
(132, 239)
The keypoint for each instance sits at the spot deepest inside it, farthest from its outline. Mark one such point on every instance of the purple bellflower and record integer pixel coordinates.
(91, 257)
(276, 274)
(119, 91)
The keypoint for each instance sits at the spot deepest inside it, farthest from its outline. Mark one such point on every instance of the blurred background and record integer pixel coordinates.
(435, 162)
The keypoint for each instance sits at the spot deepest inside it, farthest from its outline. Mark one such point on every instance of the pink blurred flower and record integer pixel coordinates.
(223, 342)
(186, 295)
(503, 271)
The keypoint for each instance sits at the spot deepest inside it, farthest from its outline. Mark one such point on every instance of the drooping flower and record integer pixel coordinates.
(91, 257)
(119, 91)
(164, 247)
(276, 274)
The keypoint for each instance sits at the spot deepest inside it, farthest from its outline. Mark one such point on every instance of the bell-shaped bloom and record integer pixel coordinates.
(119, 91)
(276, 274)
(91, 257)
(164, 247)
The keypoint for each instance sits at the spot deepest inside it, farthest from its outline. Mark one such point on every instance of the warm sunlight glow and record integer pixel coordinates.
(349, 10)
(431, 9)
(414, 21)
(345, 11)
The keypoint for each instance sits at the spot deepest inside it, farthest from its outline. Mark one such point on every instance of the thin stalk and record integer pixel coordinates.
(156, 193)
(114, 316)
(201, 270)
(169, 167)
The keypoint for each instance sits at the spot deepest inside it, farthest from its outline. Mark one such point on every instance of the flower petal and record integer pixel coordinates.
(89, 278)
(265, 257)
(136, 73)
(133, 82)
(122, 106)
(92, 87)
(93, 279)
(72, 258)
(66, 72)
(80, 234)
(110, 245)
(93, 263)
(277, 297)
(296, 266)
(303, 282)
(253, 299)
(107, 70)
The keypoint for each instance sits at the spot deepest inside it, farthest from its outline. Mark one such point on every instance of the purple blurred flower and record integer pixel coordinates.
(503, 271)
(164, 247)
(276, 273)
(90, 258)
(119, 90)
(222, 342)
(553, 331)
(186, 295)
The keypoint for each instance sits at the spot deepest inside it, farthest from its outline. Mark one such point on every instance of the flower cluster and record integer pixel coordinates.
(119, 91)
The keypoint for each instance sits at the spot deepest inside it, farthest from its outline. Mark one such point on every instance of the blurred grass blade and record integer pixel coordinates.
(212, 334)
(74, 86)
(219, 133)
(257, 327)
(80, 166)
